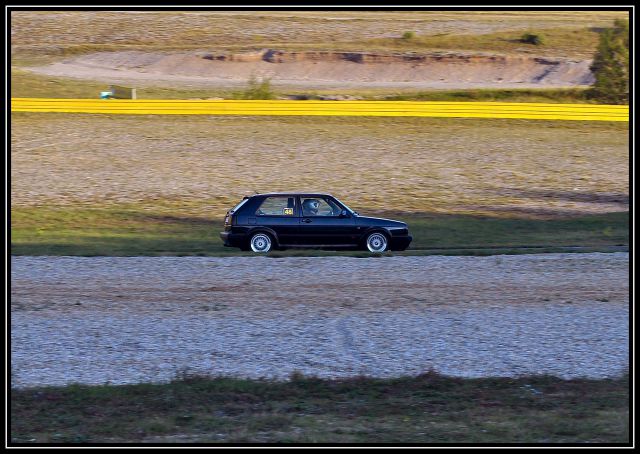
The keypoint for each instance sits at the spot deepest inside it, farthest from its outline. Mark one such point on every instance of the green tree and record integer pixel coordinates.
(611, 65)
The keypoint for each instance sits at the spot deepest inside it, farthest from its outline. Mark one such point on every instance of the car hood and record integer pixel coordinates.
(381, 222)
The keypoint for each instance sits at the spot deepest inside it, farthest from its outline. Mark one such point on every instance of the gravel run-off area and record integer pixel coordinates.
(118, 320)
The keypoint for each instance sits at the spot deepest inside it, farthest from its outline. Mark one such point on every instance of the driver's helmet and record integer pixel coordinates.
(310, 206)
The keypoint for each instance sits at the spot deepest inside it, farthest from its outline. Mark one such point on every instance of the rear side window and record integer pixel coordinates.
(277, 206)
(237, 207)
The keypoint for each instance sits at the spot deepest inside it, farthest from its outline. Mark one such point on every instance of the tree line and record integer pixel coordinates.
(611, 65)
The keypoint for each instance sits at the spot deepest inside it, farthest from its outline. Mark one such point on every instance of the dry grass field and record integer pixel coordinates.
(60, 32)
(204, 165)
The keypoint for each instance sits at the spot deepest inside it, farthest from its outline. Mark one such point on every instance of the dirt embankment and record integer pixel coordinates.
(321, 69)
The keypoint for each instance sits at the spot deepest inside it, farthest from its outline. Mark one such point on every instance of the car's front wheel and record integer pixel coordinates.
(377, 242)
(261, 242)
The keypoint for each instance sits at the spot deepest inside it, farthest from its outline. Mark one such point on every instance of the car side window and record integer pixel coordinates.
(318, 206)
(277, 206)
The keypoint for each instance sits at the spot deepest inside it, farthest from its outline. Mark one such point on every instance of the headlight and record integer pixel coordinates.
(398, 231)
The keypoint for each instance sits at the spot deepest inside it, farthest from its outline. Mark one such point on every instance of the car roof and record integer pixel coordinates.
(311, 193)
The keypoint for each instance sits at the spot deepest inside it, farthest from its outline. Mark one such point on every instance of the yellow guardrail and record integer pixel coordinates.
(537, 111)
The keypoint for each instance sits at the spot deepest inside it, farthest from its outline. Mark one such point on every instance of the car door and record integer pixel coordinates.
(280, 214)
(325, 226)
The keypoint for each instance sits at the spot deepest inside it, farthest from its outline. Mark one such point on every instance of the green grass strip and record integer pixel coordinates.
(133, 231)
(427, 409)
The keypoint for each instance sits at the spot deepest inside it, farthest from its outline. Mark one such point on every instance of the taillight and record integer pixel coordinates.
(228, 219)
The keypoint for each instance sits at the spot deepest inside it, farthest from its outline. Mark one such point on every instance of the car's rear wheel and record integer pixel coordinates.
(261, 242)
(377, 242)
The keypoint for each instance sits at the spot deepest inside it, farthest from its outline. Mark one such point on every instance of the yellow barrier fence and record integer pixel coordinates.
(538, 111)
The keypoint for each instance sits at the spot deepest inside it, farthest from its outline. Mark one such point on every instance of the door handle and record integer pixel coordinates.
(306, 221)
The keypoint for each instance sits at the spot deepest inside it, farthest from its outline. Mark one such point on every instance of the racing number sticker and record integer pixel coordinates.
(288, 211)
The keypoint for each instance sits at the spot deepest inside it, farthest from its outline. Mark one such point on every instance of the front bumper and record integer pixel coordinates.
(231, 239)
(400, 243)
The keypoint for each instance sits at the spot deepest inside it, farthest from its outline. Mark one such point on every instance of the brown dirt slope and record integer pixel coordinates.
(320, 69)
(312, 49)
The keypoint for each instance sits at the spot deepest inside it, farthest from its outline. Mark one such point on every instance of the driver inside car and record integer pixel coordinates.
(310, 207)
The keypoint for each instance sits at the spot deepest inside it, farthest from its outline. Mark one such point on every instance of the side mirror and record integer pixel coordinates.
(344, 214)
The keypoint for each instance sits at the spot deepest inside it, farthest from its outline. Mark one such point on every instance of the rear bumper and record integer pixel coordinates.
(400, 243)
(233, 239)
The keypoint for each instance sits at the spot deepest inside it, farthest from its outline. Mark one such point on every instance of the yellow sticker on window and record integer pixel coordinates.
(288, 211)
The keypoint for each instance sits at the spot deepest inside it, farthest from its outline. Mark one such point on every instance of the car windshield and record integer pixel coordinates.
(346, 207)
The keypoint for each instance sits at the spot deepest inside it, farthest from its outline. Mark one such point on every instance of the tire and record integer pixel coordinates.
(377, 242)
(261, 243)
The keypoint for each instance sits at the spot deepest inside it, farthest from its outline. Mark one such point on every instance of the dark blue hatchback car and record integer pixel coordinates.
(264, 222)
